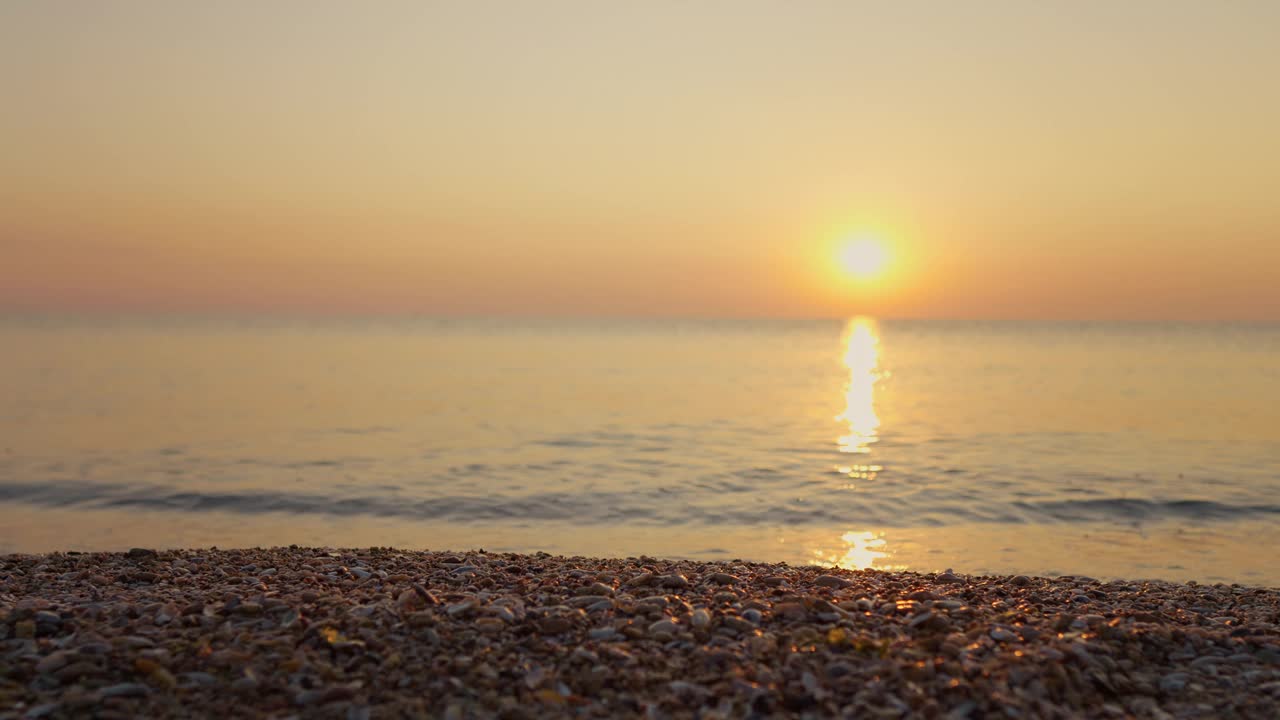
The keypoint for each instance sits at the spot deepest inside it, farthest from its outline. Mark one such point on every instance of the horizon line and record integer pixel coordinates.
(293, 315)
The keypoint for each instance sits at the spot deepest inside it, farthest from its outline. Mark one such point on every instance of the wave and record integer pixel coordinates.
(647, 506)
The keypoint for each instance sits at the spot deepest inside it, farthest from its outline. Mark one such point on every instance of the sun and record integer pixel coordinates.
(862, 256)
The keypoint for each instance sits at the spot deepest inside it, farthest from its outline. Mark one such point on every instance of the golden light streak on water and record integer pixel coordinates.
(862, 358)
(861, 551)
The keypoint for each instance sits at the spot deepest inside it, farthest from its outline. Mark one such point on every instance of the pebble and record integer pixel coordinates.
(54, 661)
(460, 609)
(1174, 682)
(596, 589)
(722, 578)
(664, 627)
(41, 711)
(125, 690)
(554, 625)
(202, 679)
(790, 611)
(832, 581)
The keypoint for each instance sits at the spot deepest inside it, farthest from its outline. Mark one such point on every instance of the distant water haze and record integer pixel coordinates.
(1137, 450)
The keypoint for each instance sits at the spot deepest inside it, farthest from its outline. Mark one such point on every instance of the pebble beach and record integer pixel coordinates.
(385, 633)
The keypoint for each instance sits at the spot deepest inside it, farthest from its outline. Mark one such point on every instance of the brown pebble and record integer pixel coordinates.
(54, 661)
(554, 625)
(832, 581)
(790, 611)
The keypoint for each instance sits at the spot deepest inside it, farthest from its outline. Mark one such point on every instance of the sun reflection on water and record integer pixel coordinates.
(865, 549)
(862, 551)
(862, 358)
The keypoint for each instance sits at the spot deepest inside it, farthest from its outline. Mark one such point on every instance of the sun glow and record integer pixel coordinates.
(862, 256)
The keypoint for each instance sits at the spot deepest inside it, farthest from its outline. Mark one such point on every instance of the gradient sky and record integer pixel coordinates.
(1082, 160)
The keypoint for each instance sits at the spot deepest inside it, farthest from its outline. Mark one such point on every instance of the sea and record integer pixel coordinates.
(1109, 450)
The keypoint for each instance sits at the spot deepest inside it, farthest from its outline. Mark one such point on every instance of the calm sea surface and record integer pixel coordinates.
(1106, 450)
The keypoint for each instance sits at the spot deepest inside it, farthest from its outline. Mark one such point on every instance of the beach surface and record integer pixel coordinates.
(371, 633)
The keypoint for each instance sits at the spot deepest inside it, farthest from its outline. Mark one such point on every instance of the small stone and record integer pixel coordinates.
(602, 633)
(202, 679)
(425, 594)
(41, 711)
(54, 661)
(664, 627)
(24, 629)
(360, 573)
(1173, 683)
(44, 617)
(949, 578)
(140, 553)
(408, 600)
(774, 580)
(700, 619)
(1020, 580)
(722, 578)
(595, 589)
(930, 621)
(78, 670)
(642, 580)
(674, 580)
(790, 611)
(125, 690)
(555, 625)
(832, 581)
(752, 616)
(245, 684)
(491, 625)
(460, 609)
(1002, 635)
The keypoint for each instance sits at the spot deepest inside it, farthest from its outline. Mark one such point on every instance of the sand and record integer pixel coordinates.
(378, 633)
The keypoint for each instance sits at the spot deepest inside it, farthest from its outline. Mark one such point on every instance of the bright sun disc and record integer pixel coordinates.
(862, 257)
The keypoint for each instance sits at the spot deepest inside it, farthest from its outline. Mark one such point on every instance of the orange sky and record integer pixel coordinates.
(1045, 160)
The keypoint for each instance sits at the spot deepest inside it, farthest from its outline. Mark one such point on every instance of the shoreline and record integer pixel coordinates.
(379, 632)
